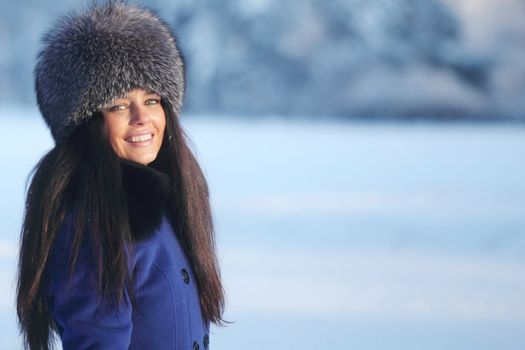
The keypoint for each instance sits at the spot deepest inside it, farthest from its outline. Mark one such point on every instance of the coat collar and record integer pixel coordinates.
(147, 190)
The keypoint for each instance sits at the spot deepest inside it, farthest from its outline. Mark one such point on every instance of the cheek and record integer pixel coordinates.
(161, 124)
(114, 132)
(113, 140)
(163, 127)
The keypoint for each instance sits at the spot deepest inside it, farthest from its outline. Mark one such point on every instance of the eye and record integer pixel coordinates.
(116, 108)
(153, 101)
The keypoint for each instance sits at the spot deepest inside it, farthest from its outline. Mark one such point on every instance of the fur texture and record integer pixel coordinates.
(98, 55)
(147, 192)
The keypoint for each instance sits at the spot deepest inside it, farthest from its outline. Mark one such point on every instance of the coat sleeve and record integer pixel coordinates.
(83, 319)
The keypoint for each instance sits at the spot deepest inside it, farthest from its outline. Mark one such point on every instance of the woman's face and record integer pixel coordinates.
(136, 126)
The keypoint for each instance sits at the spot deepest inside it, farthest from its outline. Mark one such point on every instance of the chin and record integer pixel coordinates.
(142, 159)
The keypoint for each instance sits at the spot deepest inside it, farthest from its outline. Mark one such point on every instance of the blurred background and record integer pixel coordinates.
(365, 160)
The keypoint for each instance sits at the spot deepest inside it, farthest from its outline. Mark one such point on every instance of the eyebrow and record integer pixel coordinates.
(149, 92)
(126, 96)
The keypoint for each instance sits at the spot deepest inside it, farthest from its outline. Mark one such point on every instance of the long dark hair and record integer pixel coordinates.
(83, 172)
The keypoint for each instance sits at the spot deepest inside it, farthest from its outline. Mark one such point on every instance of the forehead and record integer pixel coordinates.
(134, 92)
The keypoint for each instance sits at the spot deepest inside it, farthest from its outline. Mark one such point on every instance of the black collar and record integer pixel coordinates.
(147, 191)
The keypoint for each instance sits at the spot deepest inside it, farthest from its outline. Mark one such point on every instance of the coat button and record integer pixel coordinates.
(185, 277)
(205, 341)
(195, 345)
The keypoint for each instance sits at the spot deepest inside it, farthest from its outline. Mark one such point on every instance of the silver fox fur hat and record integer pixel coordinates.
(98, 55)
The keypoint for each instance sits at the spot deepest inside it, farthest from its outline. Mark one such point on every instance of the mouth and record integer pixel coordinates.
(139, 139)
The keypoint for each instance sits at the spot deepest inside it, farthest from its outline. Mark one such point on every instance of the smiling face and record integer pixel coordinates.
(136, 126)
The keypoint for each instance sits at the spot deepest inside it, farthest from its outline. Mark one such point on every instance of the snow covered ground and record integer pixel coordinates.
(341, 235)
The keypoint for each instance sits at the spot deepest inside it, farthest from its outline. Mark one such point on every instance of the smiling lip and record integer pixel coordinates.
(142, 139)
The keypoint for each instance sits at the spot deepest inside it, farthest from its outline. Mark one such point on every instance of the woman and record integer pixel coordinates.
(117, 247)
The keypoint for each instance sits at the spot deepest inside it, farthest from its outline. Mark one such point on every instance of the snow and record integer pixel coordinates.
(341, 235)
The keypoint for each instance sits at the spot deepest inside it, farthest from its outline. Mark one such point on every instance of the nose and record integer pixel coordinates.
(139, 115)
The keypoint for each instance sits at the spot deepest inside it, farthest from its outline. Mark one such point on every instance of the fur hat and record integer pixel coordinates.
(93, 57)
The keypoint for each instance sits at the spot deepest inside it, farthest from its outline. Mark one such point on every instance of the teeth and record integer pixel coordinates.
(140, 138)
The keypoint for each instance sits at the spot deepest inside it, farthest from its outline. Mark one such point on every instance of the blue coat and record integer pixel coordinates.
(166, 313)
